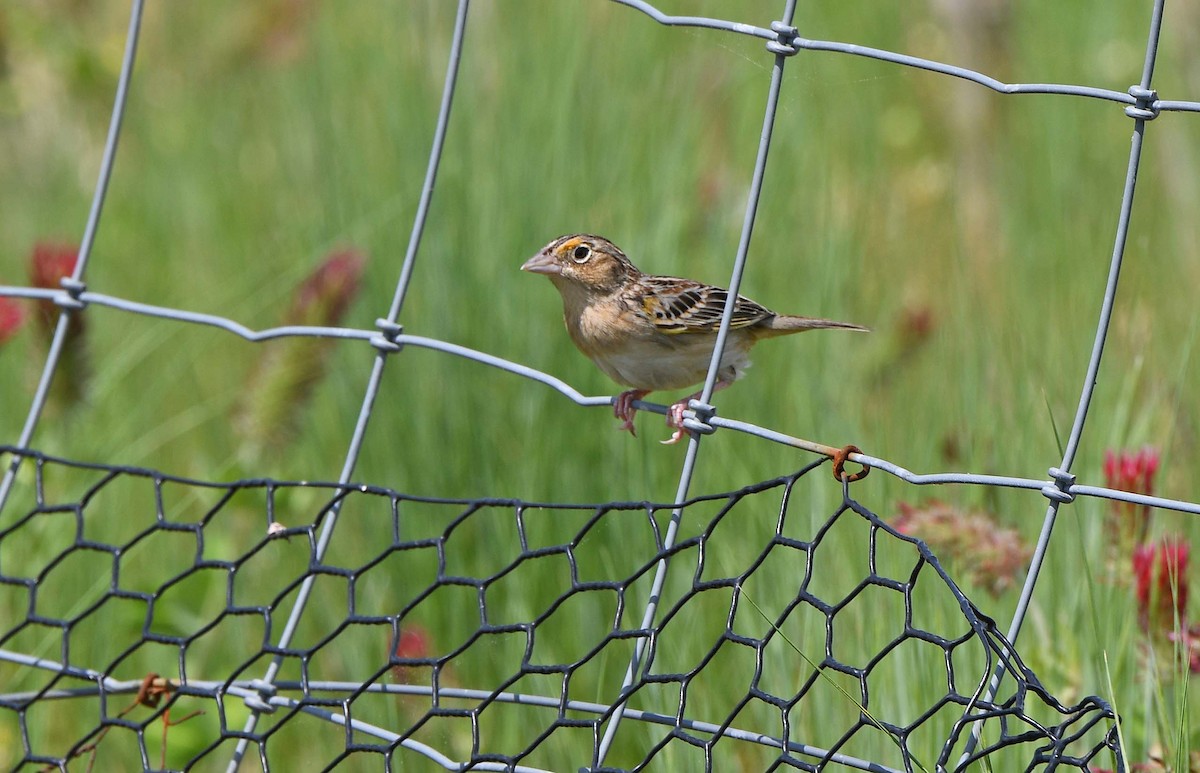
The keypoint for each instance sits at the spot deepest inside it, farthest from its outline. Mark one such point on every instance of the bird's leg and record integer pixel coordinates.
(623, 408)
(675, 413)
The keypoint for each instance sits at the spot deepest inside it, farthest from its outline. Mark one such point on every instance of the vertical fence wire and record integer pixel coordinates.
(68, 300)
(385, 345)
(1141, 112)
(782, 50)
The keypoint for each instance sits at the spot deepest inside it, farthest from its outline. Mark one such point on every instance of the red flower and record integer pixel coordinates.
(324, 297)
(917, 323)
(1131, 471)
(279, 387)
(413, 643)
(1161, 584)
(12, 316)
(50, 263)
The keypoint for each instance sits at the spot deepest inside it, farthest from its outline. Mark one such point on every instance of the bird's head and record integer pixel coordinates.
(583, 262)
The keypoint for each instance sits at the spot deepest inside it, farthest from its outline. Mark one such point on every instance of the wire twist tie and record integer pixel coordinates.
(388, 333)
(70, 300)
(1146, 108)
(697, 415)
(840, 457)
(784, 44)
(1061, 490)
(261, 702)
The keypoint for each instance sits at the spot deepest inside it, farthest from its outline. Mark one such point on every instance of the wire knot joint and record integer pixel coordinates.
(389, 331)
(1146, 107)
(784, 43)
(261, 702)
(1061, 490)
(697, 416)
(70, 299)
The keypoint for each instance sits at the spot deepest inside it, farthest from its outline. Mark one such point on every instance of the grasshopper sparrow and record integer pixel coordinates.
(653, 332)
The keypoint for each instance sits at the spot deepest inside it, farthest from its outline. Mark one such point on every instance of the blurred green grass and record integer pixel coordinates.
(260, 137)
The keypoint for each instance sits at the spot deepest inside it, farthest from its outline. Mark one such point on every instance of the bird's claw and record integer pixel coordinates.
(675, 419)
(623, 409)
(675, 438)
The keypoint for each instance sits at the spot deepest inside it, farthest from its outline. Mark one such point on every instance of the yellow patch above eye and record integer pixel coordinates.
(570, 244)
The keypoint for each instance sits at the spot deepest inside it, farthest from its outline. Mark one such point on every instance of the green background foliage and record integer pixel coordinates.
(972, 231)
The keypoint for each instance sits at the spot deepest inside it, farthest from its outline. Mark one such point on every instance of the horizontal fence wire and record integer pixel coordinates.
(391, 341)
(997, 708)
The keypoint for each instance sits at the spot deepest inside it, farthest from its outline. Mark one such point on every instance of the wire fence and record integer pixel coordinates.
(694, 692)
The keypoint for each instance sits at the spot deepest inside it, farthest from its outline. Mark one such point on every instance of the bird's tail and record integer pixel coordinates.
(782, 324)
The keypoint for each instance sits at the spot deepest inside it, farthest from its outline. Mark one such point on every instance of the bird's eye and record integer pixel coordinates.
(581, 253)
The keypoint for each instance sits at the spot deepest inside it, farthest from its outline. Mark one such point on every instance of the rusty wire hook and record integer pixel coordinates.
(839, 465)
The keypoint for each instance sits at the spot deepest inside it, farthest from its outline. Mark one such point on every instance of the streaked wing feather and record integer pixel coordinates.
(684, 306)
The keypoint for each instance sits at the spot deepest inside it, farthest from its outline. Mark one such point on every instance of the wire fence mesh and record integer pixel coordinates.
(714, 675)
(726, 676)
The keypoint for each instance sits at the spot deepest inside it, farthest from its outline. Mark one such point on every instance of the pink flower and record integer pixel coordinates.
(1189, 644)
(1161, 584)
(990, 555)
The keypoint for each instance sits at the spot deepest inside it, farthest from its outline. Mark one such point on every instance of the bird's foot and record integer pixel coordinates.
(623, 408)
(675, 413)
(675, 419)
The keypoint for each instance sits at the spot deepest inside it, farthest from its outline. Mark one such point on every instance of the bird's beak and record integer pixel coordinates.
(542, 263)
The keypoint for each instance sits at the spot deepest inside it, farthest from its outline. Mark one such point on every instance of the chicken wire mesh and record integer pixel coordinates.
(682, 662)
(734, 676)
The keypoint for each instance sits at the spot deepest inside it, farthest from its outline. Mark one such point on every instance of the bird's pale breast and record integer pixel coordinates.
(664, 362)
